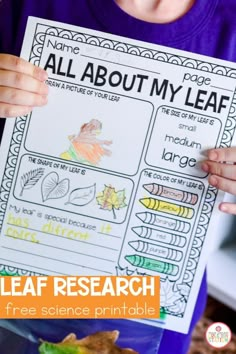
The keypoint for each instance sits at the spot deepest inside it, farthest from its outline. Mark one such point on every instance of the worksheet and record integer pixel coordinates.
(106, 178)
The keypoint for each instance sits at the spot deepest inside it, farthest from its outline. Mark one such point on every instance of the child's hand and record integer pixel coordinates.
(222, 174)
(22, 86)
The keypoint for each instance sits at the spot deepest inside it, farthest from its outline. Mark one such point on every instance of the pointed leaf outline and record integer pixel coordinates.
(82, 196)
(178, 307)
(168, 294)
(29, 179)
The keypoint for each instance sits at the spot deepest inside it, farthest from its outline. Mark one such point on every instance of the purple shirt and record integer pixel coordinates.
(209, 28)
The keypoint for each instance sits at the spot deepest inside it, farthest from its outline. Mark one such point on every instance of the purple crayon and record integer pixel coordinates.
(156, 250)
(171, 193)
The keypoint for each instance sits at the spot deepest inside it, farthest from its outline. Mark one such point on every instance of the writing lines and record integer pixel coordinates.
(48, 271)
(67, 250)
(222, 88)
(58, 248)
(125, 65)
(110, 235)
(60, 236)
(54, 259)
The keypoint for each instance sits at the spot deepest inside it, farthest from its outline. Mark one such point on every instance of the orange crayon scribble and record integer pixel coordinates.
(85, 146)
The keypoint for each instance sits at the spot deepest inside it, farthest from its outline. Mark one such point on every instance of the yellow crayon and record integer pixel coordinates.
(166, 207)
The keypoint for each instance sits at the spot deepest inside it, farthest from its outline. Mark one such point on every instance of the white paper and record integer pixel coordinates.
(105, 179)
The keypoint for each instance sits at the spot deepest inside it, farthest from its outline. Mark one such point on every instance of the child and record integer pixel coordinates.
(200, 26)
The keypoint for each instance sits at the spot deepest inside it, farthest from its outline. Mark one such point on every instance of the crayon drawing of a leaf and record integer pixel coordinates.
(29, 179)
(82, 196)
(110, 200)
(52, 188)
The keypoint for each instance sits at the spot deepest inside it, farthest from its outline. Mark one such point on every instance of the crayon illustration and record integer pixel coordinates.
(155, 250)
(161, 221)
(159, 236)
(85, 147)
(171, 193)
(166, 207)
(110, 199)
(152, 264)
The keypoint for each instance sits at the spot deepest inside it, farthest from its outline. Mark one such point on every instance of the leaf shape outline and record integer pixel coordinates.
(168, 296)
(29, 179)
(52, 188)
(178, 307)
(82, 196)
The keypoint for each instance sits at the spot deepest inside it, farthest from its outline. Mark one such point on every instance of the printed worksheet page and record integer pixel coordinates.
(105, 179)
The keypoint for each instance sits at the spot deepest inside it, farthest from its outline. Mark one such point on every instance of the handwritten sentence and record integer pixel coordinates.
(19, 228)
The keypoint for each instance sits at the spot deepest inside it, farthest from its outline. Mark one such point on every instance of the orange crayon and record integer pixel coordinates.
(164, 222)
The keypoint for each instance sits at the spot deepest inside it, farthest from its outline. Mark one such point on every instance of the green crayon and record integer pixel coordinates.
(152, 264)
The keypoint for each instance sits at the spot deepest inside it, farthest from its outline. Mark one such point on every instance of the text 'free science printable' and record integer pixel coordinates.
(105, 179)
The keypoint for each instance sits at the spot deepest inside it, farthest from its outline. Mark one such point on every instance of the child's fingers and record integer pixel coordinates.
(18, 97)
(224, 184)
(225, 154)
(23, 82)
(21, 86)
(19, 65)
(220, 169)
(229, 208)
(7, 110)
